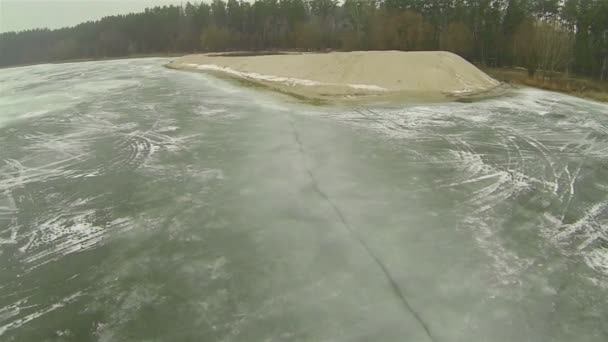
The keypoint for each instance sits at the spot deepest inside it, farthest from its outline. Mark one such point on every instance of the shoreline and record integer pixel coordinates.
(510, 77)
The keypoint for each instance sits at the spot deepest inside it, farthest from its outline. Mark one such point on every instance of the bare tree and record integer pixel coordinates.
(544, 45)
(554, 45)
(457, 38)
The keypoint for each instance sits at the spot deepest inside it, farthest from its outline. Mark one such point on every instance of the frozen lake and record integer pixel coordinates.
(144, 204)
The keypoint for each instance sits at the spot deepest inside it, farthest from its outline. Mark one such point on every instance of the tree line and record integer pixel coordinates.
(540, 35)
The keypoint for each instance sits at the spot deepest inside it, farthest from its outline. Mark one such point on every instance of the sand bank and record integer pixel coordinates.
(426, 75)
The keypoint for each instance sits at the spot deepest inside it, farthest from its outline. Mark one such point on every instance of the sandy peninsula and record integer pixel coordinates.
(361, 75)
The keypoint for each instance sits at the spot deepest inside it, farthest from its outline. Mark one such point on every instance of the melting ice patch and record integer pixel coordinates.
(209, 111)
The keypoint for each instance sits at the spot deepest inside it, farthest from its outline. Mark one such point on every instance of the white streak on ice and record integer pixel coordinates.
(597, 259)
(15, 310)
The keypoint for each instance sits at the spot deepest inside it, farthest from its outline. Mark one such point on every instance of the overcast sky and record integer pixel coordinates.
(17, 15)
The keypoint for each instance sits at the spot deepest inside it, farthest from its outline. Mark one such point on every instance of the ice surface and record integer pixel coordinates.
(142, 203)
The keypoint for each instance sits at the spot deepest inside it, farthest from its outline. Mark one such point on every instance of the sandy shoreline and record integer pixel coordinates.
(361, 75)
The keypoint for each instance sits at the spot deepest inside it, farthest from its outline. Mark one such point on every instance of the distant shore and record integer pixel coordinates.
(351, 76)
(574, 85)
(78, 60)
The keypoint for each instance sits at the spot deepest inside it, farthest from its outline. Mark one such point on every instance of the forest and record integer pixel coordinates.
(539, 35)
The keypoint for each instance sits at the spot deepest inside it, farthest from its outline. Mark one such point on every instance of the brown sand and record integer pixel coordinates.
(425, 75)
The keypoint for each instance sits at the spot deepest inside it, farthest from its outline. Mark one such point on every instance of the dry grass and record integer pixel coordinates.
(573, 85)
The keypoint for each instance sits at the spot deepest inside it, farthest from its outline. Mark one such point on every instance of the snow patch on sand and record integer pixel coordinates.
(290, 81)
